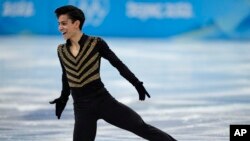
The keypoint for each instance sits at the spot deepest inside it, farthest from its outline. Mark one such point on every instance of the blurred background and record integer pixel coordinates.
(192, 55)
(227, 19)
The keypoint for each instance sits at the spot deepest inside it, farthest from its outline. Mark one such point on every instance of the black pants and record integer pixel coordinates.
(102, 105)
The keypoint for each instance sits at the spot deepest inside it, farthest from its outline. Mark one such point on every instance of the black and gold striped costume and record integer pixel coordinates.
(81, 75)
(82, 72)
(84, 68)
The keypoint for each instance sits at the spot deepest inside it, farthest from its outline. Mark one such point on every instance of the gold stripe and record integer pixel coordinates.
(64, 60)
(84, 67)
(84, 48)
(60, 51)
(67, 53)
(92, 69)
(94, 77)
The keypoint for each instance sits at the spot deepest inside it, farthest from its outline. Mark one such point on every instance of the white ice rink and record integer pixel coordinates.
(198, 88)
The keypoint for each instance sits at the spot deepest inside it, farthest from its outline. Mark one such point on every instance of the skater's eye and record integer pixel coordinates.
(62, 23)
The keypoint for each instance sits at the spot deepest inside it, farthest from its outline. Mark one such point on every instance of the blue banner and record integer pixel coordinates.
(132, 18)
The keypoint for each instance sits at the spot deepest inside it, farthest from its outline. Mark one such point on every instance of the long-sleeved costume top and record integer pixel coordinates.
(81, 73)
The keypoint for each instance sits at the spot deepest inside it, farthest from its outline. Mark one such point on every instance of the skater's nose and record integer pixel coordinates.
(60, 27)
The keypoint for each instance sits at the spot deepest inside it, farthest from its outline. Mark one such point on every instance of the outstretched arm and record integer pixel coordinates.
(108, 54)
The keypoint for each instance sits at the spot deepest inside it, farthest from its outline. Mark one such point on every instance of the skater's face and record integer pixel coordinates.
(67, 27)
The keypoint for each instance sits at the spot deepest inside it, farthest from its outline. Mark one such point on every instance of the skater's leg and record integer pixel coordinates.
(85, 124)
(123, 117)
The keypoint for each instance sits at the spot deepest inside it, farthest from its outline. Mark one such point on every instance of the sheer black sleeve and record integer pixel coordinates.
(108, 54)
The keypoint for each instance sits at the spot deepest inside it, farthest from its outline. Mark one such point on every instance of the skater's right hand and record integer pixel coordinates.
(60, 105)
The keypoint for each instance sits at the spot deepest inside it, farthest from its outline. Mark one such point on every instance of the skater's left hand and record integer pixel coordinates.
(141, 91)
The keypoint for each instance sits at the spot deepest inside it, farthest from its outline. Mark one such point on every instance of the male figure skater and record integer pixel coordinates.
(80, 59)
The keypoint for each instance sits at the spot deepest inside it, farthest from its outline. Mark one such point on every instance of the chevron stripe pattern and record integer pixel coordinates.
(83, 68)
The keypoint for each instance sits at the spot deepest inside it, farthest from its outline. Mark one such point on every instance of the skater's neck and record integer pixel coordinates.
(76, 38)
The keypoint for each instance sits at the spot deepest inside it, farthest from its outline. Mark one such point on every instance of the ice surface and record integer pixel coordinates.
(198, 88)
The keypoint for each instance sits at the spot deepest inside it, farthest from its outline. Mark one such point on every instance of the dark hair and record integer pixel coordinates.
(73, 12)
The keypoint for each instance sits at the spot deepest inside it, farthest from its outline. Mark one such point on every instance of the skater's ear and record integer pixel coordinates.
(76, 24)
